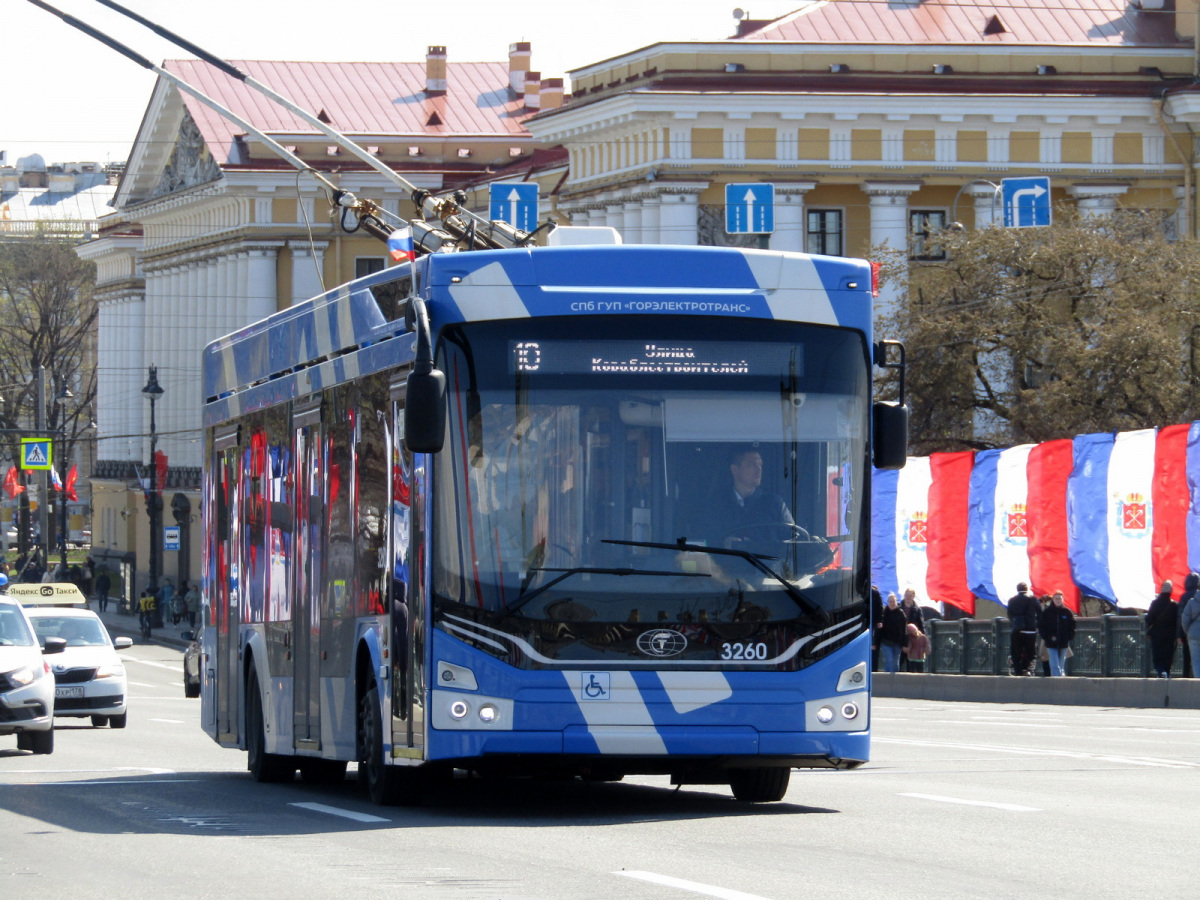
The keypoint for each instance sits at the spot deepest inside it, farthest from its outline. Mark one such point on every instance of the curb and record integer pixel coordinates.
(1135, 693)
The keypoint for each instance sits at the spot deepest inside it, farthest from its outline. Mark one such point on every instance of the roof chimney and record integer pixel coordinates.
(551, 95)
(435, 70)
(519, 56)
(533, 90)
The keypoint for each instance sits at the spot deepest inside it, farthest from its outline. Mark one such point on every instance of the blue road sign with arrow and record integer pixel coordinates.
(516, 204)
(1026, 201)
(749, 208)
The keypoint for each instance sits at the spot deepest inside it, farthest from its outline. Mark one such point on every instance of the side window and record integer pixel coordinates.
(824, 232)
(924, 226)
(372, 449)
(338, 459)
(367, 265)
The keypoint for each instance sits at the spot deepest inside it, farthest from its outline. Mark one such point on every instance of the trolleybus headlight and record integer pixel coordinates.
(459, 709)
(825, 715)
(850, 710)
(488, 714)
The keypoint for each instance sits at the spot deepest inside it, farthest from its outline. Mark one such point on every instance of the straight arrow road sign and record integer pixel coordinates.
(749, 208)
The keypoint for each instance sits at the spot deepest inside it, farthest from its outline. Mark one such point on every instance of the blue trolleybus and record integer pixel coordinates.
(588, 511)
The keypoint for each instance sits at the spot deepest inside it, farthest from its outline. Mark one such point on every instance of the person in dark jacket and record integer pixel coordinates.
(1056, 625)
(893, 634)
(1023, 612)
(914, 616)
(876, 624)
(1191, 585)
(1162, 627)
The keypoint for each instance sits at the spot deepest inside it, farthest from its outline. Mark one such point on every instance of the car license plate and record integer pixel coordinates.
(64, 692)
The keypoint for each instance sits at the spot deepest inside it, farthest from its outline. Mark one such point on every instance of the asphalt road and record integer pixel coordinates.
(960, 800)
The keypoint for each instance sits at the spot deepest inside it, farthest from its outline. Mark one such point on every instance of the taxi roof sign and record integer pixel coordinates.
(55, 594)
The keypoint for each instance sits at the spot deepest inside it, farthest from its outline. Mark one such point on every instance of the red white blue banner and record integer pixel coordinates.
(1103, 515)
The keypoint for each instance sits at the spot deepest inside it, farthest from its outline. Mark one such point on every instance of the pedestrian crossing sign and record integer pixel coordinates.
(37, 454)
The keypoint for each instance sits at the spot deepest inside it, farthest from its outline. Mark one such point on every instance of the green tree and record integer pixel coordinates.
(1039, 333)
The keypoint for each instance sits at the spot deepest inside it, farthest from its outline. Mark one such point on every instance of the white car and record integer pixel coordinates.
(89, 676)
(26, 682)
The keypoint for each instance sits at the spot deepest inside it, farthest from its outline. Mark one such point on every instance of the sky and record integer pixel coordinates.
(70, 98)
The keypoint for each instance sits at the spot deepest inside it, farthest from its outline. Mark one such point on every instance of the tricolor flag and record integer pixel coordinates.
(400, 245)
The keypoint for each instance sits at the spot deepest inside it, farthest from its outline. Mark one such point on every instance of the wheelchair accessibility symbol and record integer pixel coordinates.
(594, 686)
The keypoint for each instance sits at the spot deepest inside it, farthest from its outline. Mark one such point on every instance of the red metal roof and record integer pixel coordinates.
(1113, 22)
(357, 98)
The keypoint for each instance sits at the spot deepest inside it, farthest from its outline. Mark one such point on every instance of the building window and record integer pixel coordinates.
(367, 265)
(824, 232)
(923, 228)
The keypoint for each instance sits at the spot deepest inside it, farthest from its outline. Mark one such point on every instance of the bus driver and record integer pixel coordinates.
(745, 513)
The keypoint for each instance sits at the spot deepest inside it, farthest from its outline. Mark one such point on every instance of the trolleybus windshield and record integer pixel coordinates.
(707, 478)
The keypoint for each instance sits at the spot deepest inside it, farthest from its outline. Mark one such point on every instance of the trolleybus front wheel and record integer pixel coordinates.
(263, 766)
(386, 785)
(760, 785)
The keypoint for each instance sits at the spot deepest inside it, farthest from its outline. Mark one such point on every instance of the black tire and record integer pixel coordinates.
(36, 741)
(386, 785)
(118, 721)
(764, 785)
(99, 721)
(264, 767)
(322, 771)
(190, 691)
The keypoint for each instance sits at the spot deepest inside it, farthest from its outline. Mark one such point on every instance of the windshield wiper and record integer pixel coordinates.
(755, 559)
(579, 570)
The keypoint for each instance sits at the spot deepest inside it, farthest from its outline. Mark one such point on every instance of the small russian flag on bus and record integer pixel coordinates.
(400, 244)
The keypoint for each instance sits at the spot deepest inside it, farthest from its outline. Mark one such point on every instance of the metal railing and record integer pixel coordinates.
(1104, 647)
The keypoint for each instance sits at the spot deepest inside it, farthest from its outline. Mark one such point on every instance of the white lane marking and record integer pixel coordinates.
(141, 684)
(1065, 754)
(151, 770)
(150, 662)
(1002, 723)
(1008, 807)
(169, 721)
(695, 887)
(344, 813)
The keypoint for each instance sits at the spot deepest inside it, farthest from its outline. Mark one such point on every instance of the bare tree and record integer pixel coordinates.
(1040, 333)
(47, 318)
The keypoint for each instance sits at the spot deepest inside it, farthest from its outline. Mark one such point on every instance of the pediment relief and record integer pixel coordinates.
(190, 164)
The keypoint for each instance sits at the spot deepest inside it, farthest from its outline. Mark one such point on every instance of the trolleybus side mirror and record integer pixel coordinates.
(425, 390)
(889, 421)
(425, 411)
(890, 429)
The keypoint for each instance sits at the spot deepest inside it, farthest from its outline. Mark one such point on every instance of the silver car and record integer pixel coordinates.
(89, 675)
(26, 682)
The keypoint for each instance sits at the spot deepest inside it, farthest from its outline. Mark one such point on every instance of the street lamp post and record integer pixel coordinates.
(153, 390)
(63, 396)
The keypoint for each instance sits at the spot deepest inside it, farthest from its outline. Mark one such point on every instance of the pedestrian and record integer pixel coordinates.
(1162, 627)
(1189, 623)
(1056, 625)
(1191, 585)
(912, 615)
(103, 583)
(192, 601)
(166, 593)
(916, 647)
(1023, 618)
(89, 576)
(876, 624)
(892, 634)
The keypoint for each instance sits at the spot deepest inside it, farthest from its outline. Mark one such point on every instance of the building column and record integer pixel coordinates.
(679, 212)
(651, 216)
(789, 216)
(889, 227)
(631, 231)
(988, 209)
(1097, 199)
(261, 296)
(305, 281)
